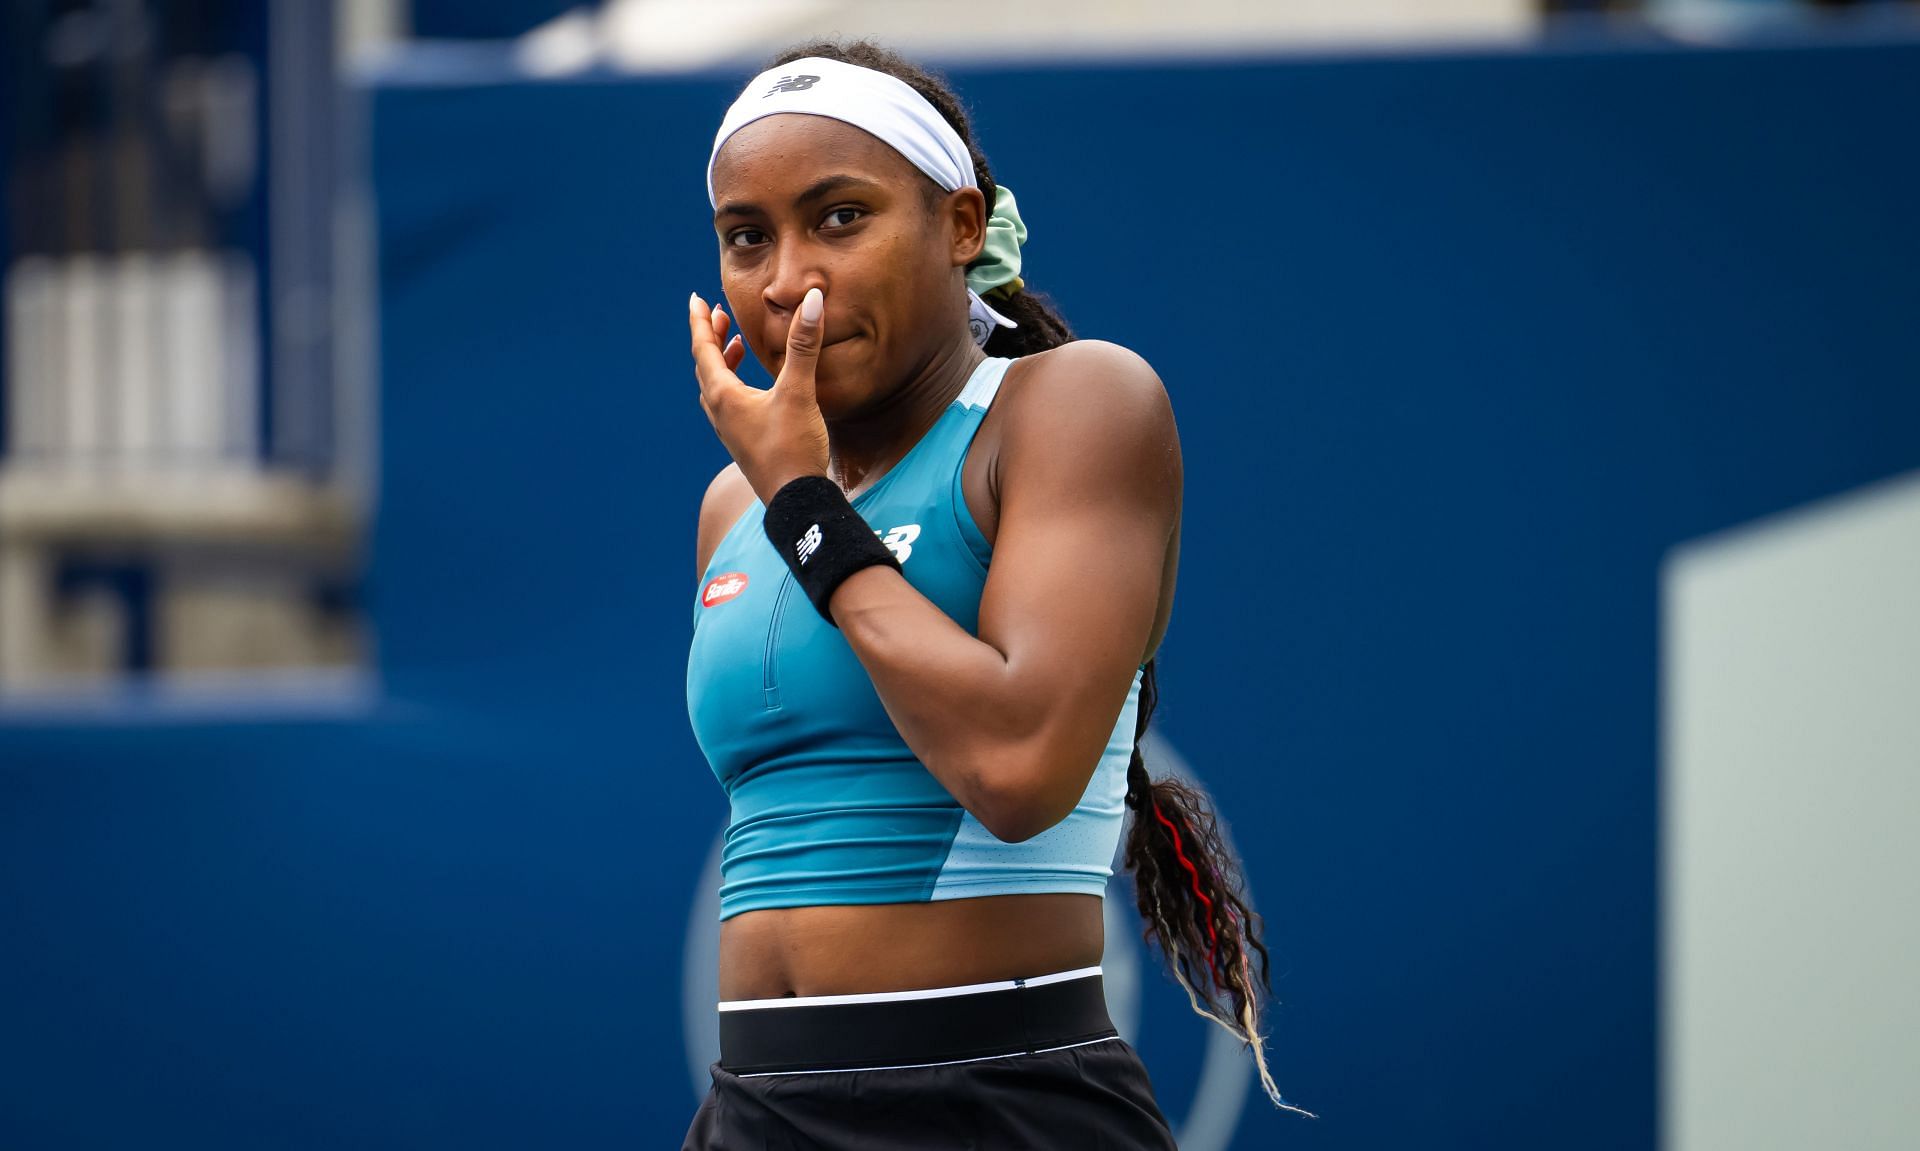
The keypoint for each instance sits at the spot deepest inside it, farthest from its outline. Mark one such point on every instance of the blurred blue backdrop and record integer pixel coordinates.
(1459, 345)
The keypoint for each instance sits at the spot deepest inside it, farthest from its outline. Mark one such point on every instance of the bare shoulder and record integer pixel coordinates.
(1088, 395)
(1118, 372)
(727, 499)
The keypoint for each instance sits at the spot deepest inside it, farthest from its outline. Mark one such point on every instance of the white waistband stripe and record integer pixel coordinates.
(903, 996)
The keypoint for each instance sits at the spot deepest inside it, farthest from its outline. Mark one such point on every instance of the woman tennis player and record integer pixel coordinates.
(932, 583)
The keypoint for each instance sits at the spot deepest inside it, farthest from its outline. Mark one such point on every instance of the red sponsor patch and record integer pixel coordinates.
(722, 588)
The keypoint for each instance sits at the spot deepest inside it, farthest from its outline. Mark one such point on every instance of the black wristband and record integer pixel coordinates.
(821, 537)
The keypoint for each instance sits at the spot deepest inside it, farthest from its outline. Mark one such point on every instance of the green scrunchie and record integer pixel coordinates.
(999, 264)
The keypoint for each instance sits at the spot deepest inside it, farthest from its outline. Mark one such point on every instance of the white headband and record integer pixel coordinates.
(878, 104)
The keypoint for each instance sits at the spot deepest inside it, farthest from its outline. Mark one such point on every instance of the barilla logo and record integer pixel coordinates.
(722, 588)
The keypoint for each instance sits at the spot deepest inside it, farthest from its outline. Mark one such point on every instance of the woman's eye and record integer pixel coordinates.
(841, 217)
(744, 237)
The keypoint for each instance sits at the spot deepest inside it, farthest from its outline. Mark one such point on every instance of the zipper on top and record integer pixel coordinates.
(770, 663)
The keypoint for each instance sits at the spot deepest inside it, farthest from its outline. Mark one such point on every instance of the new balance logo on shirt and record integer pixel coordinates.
(899, 540)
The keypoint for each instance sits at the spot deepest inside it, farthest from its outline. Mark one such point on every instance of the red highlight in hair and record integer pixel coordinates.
(1213, 937)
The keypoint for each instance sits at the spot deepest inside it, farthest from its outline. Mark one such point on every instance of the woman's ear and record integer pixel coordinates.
(965, 212)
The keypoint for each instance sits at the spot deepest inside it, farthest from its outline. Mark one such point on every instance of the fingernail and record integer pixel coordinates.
(811, 305)
(693, 299)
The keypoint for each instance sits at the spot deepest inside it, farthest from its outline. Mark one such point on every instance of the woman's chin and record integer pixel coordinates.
(836, 401)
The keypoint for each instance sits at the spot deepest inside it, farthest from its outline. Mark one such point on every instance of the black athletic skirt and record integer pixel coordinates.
(1026, 1064)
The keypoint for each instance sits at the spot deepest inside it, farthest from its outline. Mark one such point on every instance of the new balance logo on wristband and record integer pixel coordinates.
(808, 544)
(803, 513)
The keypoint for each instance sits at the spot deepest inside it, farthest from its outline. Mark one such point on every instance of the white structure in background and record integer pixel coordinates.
(673, 35)
(137, 367)
(1791, 831)
(135, 426)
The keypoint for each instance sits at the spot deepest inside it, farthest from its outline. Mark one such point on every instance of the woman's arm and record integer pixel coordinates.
(1013, 722)
(727, 499)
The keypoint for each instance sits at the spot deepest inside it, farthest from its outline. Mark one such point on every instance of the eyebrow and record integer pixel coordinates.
(825, 186)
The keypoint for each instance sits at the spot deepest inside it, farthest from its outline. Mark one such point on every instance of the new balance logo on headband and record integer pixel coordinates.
(793, 84)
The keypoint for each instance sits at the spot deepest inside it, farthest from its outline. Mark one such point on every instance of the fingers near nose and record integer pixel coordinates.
(803, 334)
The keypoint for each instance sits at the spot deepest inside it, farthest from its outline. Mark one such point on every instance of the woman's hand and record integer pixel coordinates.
(777, 434)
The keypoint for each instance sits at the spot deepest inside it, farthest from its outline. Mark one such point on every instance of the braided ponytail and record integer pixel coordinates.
(1192, 897)
(1187, 882)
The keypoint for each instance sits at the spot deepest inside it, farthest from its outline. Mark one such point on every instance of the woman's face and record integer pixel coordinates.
(810, 202)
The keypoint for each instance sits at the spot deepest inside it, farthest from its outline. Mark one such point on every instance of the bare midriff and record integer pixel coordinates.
(781, 952)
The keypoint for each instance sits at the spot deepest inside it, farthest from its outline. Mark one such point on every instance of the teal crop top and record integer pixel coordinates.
(828, 804)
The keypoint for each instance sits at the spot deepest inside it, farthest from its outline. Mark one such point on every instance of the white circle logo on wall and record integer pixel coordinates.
(1226, 1074)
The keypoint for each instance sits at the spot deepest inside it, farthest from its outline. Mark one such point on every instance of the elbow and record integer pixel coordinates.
(1016, 805)
(1017, 826)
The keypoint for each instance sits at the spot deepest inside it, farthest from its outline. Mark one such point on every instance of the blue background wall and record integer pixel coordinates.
(1459, 347)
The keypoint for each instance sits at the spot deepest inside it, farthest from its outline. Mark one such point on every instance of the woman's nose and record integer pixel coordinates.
(793, 275)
